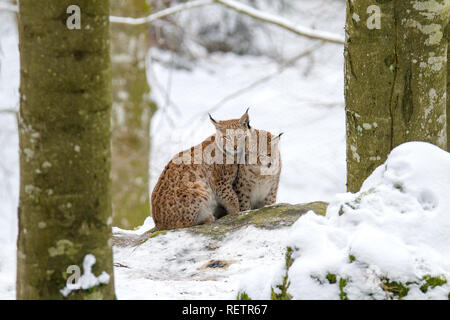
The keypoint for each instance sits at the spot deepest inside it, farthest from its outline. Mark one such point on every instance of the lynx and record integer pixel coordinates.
(196, 186)
(257, 181)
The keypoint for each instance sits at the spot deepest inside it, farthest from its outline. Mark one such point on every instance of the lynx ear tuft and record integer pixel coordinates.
(214, 122)
(277, 138)
(245, 120)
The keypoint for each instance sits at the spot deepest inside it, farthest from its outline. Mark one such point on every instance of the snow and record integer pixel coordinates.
(175, 265)
(146, 226)
(9, 157)
(397, 227)
(87, 280)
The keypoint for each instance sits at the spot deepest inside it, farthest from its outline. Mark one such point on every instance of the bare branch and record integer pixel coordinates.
(6, 110)
(243, 9)
(281, 22)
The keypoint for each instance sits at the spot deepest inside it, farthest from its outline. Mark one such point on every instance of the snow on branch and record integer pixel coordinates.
(6, 110)
(230, 4)
(281, 22)
(243, 9)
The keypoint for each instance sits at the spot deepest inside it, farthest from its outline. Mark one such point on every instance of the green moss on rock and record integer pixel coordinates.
(398, 289)
(288, 257)
(331, 277)
(342, 293)
(157, 233)
(283, 295)
(283, 287)
(432, 282)
(243, 296)
(271, 217)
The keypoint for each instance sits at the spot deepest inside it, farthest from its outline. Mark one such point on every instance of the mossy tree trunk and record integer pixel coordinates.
(65, 136)
(132, 112)
(395, 80)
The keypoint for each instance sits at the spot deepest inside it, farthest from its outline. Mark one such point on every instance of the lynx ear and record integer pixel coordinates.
(214, 122)
(277, 138)
(245, 120)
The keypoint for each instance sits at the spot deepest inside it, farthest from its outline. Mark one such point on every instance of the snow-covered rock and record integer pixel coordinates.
(390, 240)
(203, 262)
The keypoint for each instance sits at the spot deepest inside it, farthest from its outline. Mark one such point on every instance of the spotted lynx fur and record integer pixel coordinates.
(195, 187)
(257, 181)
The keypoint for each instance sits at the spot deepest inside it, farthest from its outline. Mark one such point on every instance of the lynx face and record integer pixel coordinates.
(263, 155)
(257, 182)
(231, 137)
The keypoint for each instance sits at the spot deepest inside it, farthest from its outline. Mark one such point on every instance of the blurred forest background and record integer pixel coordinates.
(206, 59)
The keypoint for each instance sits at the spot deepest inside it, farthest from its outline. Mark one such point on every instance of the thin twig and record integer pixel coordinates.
(264, 79)
(156, 84)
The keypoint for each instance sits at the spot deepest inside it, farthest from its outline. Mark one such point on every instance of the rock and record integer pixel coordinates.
(270, 217)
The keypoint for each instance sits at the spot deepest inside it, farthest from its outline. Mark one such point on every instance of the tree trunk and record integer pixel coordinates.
(132, 112)
(395, 80)
(64, 135)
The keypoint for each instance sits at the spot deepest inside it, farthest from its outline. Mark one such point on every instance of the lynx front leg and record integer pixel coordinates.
(244, 201)
(228, 199)
(242, 188)
(272, 196)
